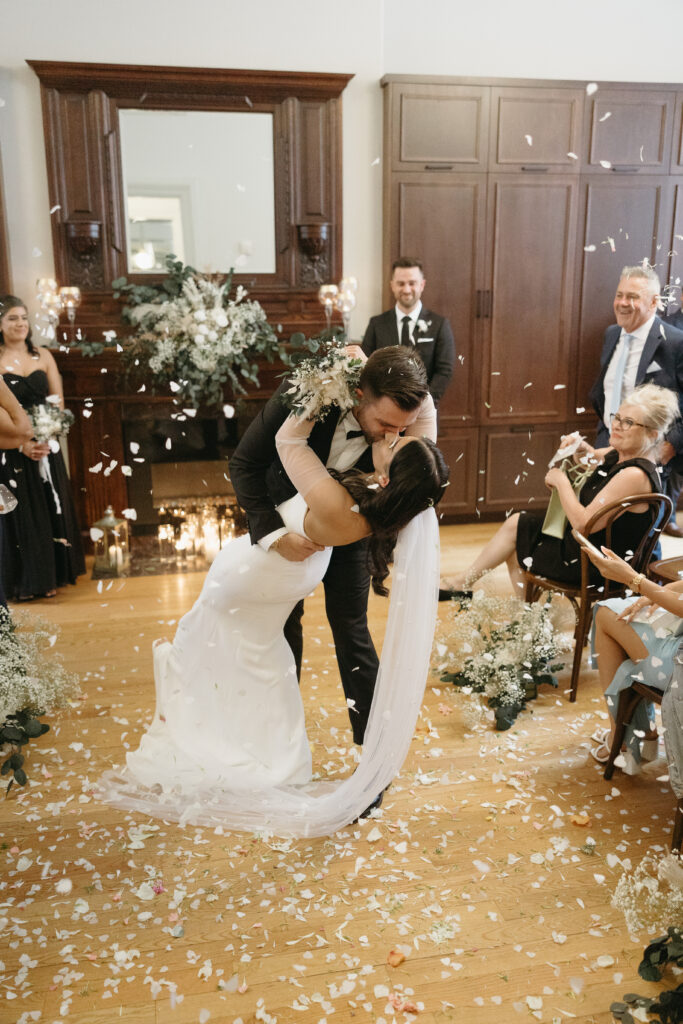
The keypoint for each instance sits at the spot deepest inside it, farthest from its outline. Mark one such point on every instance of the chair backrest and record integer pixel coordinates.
(660, 506)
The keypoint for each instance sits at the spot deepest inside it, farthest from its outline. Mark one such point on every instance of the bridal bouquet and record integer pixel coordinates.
(49, 421)
(192, 335)
(327, 379)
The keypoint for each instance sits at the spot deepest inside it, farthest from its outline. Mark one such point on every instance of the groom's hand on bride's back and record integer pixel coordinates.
(294, 547)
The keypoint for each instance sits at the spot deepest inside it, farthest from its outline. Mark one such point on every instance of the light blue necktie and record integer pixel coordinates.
(619, 376)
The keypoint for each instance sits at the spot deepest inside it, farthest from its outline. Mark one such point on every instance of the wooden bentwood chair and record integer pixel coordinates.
(584, 595)
(629, 699)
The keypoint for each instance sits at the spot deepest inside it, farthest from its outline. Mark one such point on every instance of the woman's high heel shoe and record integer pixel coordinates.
(451, 594)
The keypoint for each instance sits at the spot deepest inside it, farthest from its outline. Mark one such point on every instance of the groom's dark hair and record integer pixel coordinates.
(396, 373)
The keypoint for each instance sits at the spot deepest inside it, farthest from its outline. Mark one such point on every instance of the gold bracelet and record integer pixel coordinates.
(636, 582)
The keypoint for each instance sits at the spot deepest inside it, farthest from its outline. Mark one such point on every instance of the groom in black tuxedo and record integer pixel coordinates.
(393, 398)
(412, 325)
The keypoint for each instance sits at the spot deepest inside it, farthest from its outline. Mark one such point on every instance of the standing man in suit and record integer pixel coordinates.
(393, 398)
(412, 325)
(674, 481)
(639, 349)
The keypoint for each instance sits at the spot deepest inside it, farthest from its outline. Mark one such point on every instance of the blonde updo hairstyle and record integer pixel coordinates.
(659, 409)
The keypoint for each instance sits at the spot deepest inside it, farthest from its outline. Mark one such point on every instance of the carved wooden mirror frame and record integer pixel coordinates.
(82, 140)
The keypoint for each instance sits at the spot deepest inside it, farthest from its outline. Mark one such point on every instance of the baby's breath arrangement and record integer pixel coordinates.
(501, 650)
(33, 682)
(651, 896)
(323, 380)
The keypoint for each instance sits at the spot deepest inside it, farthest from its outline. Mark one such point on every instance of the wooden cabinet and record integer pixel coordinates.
(443, 218)
(531, 232)
(523, 238)
(439, 128)
(628, 131)
(535, 130)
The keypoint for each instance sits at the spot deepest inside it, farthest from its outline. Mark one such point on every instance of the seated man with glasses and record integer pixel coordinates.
(628, 466)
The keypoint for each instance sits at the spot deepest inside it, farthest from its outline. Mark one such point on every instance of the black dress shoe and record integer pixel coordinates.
(672, 529)
(377, 802)
(449, 594)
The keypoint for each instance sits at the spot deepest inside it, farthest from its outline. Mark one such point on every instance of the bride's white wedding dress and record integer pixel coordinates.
(227, 745)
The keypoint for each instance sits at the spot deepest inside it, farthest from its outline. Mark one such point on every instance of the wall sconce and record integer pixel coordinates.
(313, 240)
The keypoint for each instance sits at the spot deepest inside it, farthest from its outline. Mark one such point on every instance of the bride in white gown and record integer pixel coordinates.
(228, 745)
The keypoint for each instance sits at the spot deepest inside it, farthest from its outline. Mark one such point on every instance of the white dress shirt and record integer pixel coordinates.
(637, 345)
(414, 317)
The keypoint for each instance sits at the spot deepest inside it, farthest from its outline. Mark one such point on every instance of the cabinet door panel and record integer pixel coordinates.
(672, 273)
(532, 228)
(624, 222)
(440, 220)
(439, 127)
(515, 461)
(630, 130)
(460, 450)
(536, 129)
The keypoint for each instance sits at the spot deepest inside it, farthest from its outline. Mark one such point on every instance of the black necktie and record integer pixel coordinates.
(405, 332)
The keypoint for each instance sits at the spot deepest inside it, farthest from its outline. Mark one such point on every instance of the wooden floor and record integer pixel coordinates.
(474, 869)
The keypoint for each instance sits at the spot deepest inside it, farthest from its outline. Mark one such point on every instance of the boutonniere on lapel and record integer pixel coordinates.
(422, 331)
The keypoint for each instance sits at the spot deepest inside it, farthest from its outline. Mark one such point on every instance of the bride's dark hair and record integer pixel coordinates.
(418, 476)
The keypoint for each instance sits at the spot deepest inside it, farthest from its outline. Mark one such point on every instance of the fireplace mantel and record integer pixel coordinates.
(102, 400)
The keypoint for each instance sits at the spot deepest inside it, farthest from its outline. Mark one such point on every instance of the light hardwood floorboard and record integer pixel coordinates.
(477, 874)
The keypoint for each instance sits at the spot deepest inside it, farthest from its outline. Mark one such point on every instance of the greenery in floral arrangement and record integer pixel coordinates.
(499, 650)
(191, 335)
(33, 682)
(651, 898)
(325, 378)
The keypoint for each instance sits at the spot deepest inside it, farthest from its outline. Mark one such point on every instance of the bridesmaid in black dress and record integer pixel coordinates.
(41, 547)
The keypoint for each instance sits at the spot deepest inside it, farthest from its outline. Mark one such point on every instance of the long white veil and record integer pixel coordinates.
(320, 808)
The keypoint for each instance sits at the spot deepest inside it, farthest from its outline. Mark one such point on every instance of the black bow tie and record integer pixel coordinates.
(354, 433)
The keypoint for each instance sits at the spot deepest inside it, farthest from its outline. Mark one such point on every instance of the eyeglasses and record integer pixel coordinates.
(625, 422)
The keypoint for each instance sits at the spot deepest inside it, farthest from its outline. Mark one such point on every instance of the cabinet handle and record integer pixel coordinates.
(438, 167)
(478, 312)
(626, 170)
(523, 428)
(488, 308)
(536, 168)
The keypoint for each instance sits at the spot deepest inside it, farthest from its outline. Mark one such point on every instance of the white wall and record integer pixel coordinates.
(589, 39)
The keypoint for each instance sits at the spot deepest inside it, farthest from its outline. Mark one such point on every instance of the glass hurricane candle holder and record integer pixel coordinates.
(112, 547)
(327, 293)
(71, 300)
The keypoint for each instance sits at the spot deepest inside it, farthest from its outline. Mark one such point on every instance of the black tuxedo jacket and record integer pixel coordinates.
(661, 363)
(435, 345)
(257, 474)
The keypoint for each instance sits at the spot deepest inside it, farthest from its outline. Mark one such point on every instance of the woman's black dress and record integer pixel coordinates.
(559, 558)
(41, 542)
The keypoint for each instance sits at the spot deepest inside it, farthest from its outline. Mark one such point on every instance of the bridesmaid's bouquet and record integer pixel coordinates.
(49, 421)
(327, 379)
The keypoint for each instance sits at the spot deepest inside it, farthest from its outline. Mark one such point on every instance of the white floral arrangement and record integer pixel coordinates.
(498, 650)
(193, 337)
(49, 422)
(31, 676)
(651, 895)
(323, 381)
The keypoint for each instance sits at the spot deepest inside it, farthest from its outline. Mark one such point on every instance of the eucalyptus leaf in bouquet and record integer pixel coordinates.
(324, 380)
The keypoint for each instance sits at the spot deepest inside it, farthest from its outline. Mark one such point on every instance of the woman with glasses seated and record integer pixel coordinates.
(627, 467)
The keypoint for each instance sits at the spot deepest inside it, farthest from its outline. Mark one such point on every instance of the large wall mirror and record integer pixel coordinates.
(199, 184)
(223, 168)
